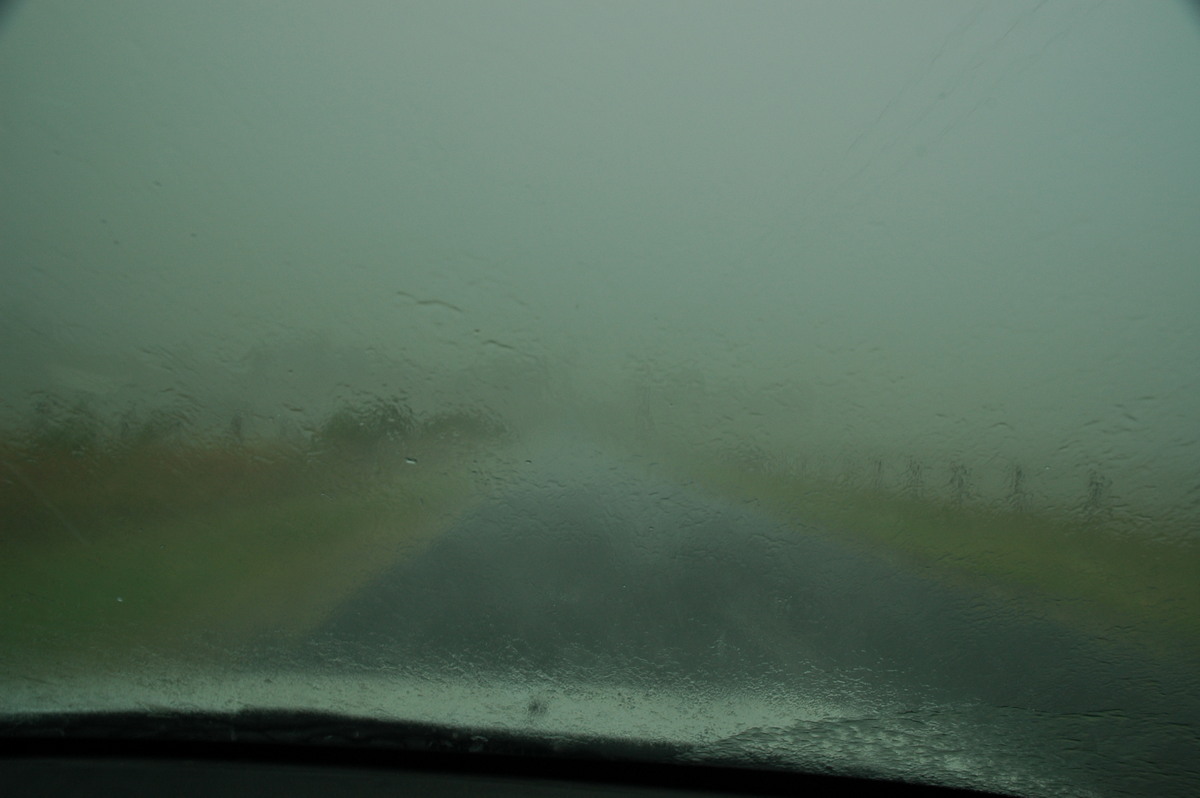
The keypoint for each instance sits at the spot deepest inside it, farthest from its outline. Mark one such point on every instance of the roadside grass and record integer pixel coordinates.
(113, 548)
(1138, 587)
(193, 550)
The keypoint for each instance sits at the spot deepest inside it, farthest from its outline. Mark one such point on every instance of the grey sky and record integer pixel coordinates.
(967, 229)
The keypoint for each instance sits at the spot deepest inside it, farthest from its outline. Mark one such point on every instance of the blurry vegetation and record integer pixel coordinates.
(59, 426)
(93, 505)
(1130, 579)
(366, 425)
(136, 430)
(377, 423)
(70, 467)
(138, 527)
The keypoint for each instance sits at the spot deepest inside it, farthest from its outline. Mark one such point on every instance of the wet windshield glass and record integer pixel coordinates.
(804, 384)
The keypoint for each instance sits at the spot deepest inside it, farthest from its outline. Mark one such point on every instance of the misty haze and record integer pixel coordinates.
(933, 231)
(312, 310)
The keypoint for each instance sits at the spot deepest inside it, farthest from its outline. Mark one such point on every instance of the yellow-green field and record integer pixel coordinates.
(179, 549)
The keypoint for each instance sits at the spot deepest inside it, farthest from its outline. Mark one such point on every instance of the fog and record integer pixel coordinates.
(946, 230)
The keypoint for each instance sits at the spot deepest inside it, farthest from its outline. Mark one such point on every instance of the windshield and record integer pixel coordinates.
(793, 385)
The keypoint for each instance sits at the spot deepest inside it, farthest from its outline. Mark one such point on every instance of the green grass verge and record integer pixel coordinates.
(1137, 587)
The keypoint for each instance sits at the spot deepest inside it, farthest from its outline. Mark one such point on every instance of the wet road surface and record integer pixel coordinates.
(583, 566)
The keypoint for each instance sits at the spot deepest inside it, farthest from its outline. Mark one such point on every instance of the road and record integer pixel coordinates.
(585, 566)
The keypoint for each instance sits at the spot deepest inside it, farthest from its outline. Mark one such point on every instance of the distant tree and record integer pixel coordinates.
(914, 478)
(1018, 497)
(61, 426)
(366, 426)
(960, 484)
(1097, 502)
(137, 430)
(237, 429)
(389, 419)
(877, 474)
